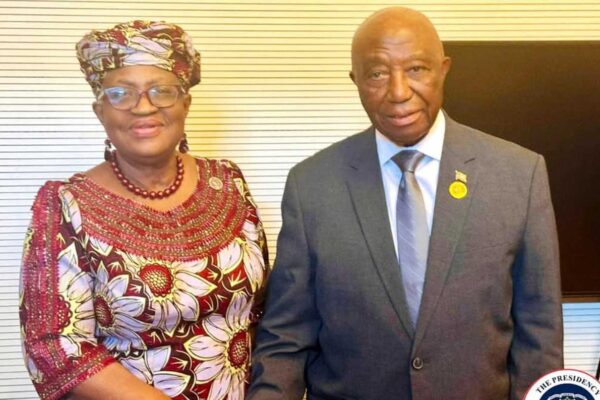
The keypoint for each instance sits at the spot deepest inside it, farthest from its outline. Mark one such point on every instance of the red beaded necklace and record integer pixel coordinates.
(148, 194)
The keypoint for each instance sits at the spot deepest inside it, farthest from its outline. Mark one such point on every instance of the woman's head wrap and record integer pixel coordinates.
(158, 44)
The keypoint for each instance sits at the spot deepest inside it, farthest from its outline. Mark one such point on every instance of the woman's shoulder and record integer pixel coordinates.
(225, 177)
(219, 164)
(50, 188)
(216, 171)
(56, 198)
(53, 190)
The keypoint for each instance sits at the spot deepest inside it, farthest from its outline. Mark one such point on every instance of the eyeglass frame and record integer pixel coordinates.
(181, 91)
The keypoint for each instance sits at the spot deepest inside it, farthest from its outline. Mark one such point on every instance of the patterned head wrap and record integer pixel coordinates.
(159, 44)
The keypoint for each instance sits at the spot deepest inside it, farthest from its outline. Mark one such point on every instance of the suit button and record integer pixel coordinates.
(417, 363)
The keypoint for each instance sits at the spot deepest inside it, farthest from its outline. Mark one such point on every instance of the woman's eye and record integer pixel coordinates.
(160, 90)
(118, 93)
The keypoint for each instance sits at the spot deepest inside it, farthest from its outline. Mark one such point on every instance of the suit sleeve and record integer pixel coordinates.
(288, 331)
(537, 346)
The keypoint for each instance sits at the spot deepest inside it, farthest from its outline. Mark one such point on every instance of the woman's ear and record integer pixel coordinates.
(187, 102)
(97, 106)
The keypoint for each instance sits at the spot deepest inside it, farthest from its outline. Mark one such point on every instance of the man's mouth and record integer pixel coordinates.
(403, 119)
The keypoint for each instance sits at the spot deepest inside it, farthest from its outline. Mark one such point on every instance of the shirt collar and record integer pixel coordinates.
(431, 145)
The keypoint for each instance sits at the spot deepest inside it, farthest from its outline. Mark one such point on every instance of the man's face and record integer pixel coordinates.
(399, 70)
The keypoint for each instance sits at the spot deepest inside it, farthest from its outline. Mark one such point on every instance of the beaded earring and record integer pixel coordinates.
(183, 145)
(108, 156)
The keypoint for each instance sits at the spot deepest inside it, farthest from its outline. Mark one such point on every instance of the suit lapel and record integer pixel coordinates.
(366, 191)
(449, 218)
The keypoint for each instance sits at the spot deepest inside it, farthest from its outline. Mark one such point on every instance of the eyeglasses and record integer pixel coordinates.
(125, 98)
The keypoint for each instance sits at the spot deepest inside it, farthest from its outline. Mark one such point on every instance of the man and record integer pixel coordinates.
(463, 305)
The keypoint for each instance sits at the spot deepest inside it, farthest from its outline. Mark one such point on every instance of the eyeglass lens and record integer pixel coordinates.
(126, 98)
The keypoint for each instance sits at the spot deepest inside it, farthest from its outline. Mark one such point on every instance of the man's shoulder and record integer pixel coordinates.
(485, 144)
(338, 154)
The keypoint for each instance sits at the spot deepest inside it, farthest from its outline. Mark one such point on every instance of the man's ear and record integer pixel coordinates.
(351, 75)
(97, 106)
(446, 64)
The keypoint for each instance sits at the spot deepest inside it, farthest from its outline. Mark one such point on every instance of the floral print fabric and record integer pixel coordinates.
(178, 320)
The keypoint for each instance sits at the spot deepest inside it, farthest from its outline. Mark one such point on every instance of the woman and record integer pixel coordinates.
(142, 277)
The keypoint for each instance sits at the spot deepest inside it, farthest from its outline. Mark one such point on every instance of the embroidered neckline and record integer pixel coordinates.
(81, 177)
(201, 225)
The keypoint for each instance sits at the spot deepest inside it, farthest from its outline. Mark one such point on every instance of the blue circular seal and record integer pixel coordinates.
(565, 384)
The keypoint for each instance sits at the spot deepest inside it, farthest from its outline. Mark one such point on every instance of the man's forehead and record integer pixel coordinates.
(410, 43)
(407, 41)
(397, 34)
(375, 56)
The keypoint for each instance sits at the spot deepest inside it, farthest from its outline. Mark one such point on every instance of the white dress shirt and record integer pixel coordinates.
(427, 171)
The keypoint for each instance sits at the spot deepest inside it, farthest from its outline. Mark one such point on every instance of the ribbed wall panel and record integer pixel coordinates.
(275, 89)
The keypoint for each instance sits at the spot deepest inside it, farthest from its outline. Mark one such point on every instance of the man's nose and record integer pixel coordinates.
(399, 89)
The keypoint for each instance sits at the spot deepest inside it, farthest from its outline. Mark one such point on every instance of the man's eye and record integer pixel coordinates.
(417, 68)
(376, 75)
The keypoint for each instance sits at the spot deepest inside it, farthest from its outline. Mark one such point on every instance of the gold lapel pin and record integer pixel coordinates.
(458, 189)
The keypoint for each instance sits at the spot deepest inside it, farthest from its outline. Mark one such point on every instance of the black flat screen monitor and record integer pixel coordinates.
(544, 96)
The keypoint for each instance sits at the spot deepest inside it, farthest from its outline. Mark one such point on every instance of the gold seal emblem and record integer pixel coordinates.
(215, 183)
(458, 190)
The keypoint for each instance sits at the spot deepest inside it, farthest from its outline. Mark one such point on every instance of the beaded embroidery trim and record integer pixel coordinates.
(208, 220)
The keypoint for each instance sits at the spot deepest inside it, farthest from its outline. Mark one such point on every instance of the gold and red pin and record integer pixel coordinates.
(458, 189)
(215, 183)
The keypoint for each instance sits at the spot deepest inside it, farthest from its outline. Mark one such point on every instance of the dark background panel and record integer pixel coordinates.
(544, 96)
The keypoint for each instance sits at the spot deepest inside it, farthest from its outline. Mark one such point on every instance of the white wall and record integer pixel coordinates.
(275, 90)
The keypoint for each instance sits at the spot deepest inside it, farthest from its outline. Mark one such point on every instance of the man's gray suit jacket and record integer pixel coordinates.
(336, 319)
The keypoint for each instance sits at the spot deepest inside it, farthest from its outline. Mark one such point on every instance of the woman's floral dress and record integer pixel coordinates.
(170, 295)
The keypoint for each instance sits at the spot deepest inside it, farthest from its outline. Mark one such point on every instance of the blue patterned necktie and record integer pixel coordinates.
(411, 230)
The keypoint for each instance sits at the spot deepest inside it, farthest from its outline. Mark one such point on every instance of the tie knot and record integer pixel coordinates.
(408, 160)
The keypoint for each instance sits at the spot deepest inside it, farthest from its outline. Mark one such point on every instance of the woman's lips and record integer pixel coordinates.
(146, 128)
(403, 120)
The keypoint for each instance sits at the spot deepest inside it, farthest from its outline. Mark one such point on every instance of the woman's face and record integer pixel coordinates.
(145, 132)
